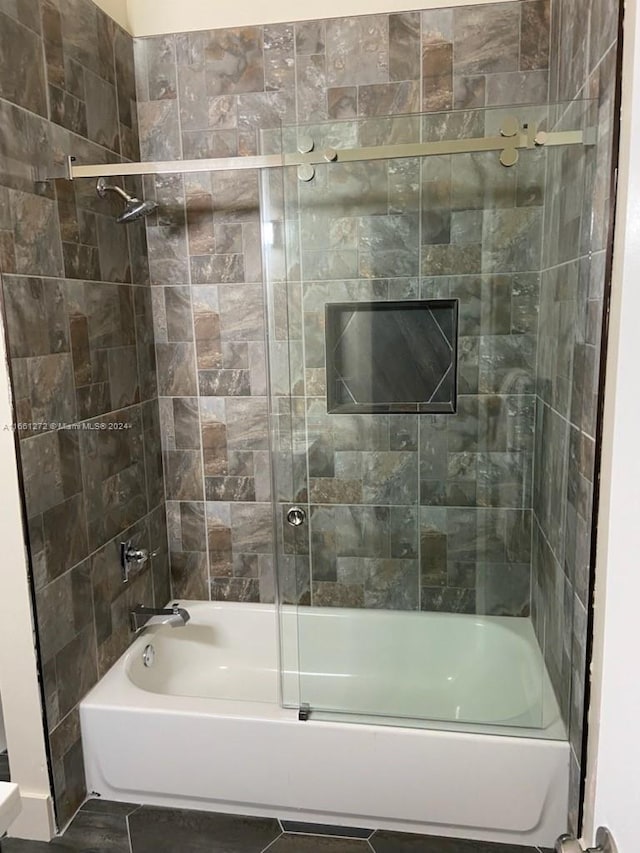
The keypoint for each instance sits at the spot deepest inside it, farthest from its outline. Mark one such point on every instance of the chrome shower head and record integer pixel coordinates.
(134, 208)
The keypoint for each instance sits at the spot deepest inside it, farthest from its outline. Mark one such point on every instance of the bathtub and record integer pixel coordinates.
(207, 726)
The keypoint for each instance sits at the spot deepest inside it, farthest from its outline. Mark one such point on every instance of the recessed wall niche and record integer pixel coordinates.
(388, 357)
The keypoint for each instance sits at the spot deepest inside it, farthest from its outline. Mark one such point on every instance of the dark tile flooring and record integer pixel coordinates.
(104, 827)
(5, 773)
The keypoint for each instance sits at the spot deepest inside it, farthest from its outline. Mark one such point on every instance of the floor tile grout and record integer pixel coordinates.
(307, 837)
(271, 843)
(126, 822)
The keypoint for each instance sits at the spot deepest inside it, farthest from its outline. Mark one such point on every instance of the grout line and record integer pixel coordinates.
(96, 550)
(85, 281)
(197, 394)
(271, 843)
(126, 821)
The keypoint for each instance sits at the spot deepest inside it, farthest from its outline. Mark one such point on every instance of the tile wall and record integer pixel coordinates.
(77, 309)
(207, 94)
(583, 65)
(410, 511)
(85, 332)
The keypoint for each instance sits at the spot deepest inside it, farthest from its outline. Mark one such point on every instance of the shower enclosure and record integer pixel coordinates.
(410, 318)
(424, 280)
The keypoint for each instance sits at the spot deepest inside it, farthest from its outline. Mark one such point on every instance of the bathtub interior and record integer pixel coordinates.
(443, 671)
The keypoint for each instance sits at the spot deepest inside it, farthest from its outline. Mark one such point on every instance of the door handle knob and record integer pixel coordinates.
(296, 516)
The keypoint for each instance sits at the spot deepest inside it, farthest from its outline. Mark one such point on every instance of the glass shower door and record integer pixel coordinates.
(403, 307)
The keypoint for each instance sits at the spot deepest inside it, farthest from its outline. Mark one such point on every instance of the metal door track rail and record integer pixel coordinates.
(513, 138)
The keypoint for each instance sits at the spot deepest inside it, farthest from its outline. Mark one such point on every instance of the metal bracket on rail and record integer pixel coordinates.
(304, 712)
(570, 844)
(513, 136)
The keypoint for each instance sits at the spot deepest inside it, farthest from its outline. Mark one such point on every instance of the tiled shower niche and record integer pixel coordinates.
(394, 357)
(407, 511)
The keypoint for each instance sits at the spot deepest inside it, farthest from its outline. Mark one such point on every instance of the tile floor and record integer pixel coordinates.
(5, 773)
(105, 827)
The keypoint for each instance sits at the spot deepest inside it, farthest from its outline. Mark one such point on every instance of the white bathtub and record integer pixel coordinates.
(204, 727)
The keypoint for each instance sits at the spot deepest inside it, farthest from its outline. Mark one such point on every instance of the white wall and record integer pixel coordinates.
(117, 9)
(152, 17)
(613, 780)
(18, 663)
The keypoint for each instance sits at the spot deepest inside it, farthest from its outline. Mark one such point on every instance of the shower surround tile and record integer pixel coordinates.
(82, 361)
(568, 367)
(208, 94)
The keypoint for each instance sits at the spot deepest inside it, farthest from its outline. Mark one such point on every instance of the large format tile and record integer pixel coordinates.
(154, 829)
(18, 845)
(399, 842)
(317, 844)
(99, 832)
(102, 806)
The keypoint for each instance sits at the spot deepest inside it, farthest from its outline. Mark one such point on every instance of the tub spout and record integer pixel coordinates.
(143, 616)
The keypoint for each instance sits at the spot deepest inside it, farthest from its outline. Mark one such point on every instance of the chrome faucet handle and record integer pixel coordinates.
(133, 558)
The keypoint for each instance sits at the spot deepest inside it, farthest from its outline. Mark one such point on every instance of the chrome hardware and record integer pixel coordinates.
(149, 655)
(142, 617)
(330, 154)
(511, 130)
(510, 126)
(509, 157)
(296, 516)
(522, 139)
(305, 144)
(132, 558)
(306, 172)
(570, 844)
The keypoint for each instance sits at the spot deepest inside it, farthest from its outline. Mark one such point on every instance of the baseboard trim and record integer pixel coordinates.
(36, 821)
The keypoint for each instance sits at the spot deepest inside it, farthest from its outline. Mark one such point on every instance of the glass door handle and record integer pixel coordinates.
(296, 516)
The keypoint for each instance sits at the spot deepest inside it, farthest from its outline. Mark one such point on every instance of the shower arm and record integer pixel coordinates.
(116, 189)
(512, 138)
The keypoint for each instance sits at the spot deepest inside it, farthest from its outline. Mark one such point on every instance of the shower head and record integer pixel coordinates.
(134, 208)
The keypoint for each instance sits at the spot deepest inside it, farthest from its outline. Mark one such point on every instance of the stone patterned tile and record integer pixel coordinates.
(70, 593)
(189, 575)
(81, 356)
(369, 61)
(517, 87)
(382, 99)
(22, 80)
(68, 765)
(176, 369)
(384, 841)
(159, 130)
(102, 111)
(331, 594)
(183, 475)
(469, 91)
(298, 843)
(437, 76)
(534, 34)
(36, 235)
(486, 39)
(103, 831)
(404, 46)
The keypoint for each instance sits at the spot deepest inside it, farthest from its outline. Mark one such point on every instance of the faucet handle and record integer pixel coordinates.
(133, 558)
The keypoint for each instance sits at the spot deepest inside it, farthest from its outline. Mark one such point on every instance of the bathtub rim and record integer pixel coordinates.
(109, 686)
